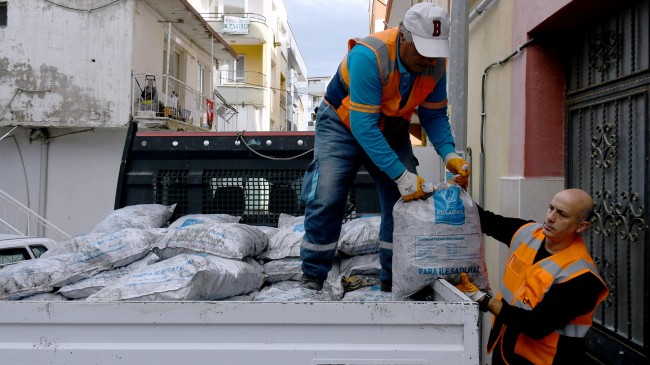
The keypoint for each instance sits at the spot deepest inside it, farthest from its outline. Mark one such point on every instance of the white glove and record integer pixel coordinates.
(410, 186)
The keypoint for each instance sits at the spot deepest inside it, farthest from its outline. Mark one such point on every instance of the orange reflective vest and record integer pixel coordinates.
(385, 44)
(525, 283)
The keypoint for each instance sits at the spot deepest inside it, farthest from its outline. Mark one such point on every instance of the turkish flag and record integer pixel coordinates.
(210, 113)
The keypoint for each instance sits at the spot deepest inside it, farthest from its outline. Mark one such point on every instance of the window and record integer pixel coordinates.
(13, 254)
(3, 14)
(234, 7)
(200, 81)
(38, 250)
(233, 71)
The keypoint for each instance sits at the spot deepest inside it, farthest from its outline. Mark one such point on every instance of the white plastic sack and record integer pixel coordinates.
(269, 231)
(289, 268)
(108, 252)
(360, 236)
(367, 294)
(439, 237)
(285, 243)
(333, 286)
(228, 240)
(31, 277)
(287, 221)
(45, 297)
(72, 244)
(140, 216)
(97, 282)
(289, 291)
(185, 277)
(191, 219)
(361, 265)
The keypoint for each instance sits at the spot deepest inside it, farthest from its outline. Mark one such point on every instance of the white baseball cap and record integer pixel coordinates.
(429, 25)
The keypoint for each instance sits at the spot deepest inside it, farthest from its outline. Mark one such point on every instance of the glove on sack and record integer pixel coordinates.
(460, 168)
(410, 186)
(471, 290)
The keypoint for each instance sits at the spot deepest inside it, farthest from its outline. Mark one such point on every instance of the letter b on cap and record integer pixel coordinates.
(436, 28)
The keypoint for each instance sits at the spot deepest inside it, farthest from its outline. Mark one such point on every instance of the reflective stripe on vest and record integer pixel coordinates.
(525, 283)
(384, 44)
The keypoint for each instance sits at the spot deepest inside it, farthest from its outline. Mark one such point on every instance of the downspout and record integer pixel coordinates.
(211, 94)
(457, 82)
(43, 134)
(169, 56)
(519, 49)
(480, 9)
(42, 200)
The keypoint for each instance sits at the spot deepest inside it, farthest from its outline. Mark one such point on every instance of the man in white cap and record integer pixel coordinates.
(364, 120)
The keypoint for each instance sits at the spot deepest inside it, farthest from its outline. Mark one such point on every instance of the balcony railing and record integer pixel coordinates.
(163, 96)
(241, 78)
(218, 17)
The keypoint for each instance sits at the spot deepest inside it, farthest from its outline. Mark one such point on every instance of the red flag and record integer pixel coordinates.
(210, 113)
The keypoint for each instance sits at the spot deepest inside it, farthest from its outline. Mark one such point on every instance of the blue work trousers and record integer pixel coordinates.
(327, 182)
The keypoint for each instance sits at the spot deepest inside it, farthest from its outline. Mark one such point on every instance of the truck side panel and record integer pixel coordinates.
(239, 332)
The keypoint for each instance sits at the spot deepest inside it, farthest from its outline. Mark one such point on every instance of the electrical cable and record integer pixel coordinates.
(240, 137)
(77, 9)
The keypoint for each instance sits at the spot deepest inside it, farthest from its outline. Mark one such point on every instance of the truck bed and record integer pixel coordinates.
(444, 331)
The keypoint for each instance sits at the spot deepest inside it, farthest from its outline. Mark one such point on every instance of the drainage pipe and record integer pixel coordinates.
(500, 62)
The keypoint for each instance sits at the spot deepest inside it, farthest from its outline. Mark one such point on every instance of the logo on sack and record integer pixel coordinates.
(300, 227)
(448, 206)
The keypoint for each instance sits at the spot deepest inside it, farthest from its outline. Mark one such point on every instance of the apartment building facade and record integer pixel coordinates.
(261, 84)
(74, 74)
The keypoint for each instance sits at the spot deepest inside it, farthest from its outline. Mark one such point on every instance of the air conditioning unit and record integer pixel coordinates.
(277, 39)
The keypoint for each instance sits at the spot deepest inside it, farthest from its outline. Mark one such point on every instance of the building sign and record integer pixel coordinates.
(235, 25)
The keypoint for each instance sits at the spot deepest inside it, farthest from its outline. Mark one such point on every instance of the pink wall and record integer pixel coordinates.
(537, 104)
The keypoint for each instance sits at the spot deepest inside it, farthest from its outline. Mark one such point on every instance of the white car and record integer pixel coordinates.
(15, 248)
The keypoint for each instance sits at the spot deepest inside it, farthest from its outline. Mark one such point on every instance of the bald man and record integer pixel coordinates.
(550, 287)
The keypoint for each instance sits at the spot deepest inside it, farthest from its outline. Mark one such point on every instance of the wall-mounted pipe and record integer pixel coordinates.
(480, 9)
(500, 62)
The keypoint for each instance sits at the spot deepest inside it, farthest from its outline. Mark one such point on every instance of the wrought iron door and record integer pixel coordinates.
(607, 153)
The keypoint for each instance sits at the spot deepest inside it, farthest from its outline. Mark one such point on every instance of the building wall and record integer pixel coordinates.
(86, 72)
(65, 164)
(70, 179)
(524, 106)
(489, 41)
(149, 36)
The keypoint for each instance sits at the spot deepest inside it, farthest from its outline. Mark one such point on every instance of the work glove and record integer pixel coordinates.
(471, 290)
(460, 168)
(410, 186)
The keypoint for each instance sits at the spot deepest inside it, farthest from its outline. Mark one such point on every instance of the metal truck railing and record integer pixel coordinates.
(16, 218)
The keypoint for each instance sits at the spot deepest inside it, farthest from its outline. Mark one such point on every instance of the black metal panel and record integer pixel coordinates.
(607, 154)
(256, 176)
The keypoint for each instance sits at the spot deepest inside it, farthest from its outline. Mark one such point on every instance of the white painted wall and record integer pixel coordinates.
(81, 174)
(87, 110)
(61, 50)
(82, 178)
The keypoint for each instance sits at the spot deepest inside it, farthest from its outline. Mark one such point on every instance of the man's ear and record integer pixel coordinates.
(582, 226)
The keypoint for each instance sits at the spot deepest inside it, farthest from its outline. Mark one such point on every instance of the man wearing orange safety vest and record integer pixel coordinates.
(384, 79)
(550, 288)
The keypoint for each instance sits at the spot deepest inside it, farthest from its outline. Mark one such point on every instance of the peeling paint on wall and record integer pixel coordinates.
(66, 104)
(82, 59)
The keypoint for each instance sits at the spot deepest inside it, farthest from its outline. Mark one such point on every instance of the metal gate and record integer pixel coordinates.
(607, 154)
